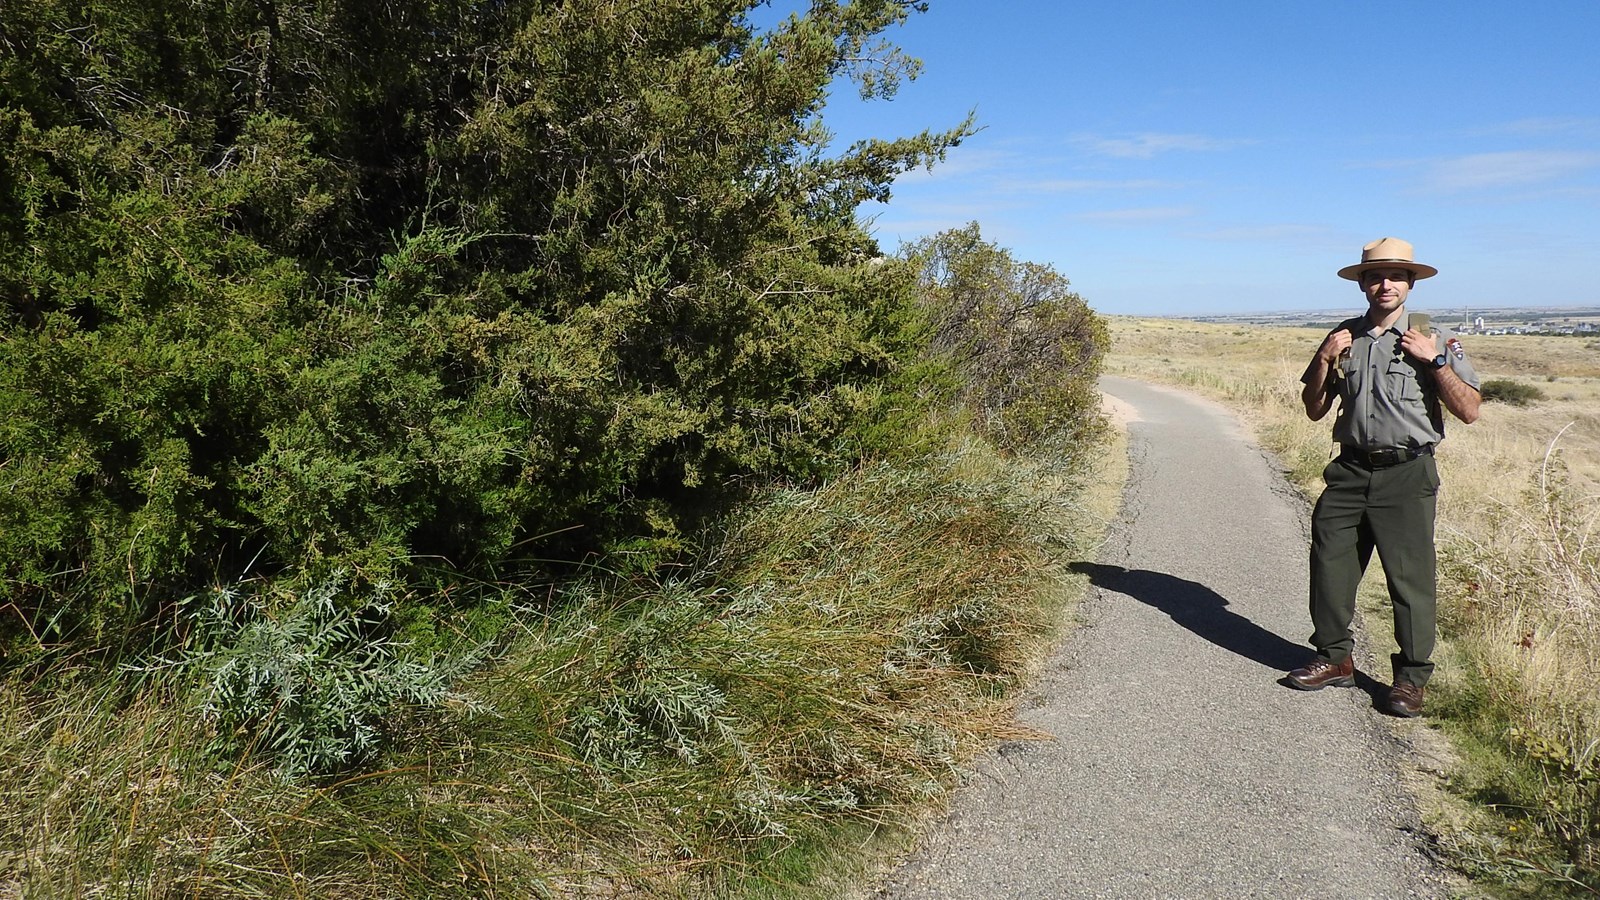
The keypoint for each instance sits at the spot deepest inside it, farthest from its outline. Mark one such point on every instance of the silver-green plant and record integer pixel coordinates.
(310, 686)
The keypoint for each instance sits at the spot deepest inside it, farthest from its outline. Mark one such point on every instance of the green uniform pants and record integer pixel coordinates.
(1391, 509)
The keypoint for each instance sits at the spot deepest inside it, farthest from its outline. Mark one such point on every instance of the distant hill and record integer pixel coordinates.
(1528, 319)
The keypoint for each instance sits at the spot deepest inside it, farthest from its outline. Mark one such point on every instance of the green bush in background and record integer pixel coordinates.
(296, 290)
(1026, 348)
(1515, 393)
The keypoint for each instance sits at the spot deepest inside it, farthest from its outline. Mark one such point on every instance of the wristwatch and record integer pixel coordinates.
(1440, 361)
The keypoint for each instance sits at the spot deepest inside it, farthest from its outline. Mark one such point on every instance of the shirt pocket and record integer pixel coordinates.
(1404, 380)
(1348, 376)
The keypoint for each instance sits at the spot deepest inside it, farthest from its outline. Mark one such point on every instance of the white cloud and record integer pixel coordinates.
(1541, 126)
(1516, 168)
(1074, 185)
(959, 163)
(1281, 232)
(1140, 214)
(1148, 144)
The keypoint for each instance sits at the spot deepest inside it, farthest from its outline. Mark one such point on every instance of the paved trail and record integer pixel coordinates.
(1180, 766)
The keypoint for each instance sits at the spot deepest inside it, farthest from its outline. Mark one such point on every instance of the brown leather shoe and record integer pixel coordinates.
(1319, 673)
(1405, 699)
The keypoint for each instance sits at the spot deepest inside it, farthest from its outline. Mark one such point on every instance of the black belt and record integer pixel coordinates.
(1382, 459)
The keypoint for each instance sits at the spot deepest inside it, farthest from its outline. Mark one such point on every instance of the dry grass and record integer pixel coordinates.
(759, 726)
(1519, 533)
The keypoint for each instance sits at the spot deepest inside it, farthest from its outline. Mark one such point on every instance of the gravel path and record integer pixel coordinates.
(1180, 765)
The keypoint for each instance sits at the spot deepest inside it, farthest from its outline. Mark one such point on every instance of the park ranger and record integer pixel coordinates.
(1391, 371)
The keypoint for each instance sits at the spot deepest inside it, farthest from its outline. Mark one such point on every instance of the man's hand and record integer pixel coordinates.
(1459, 397)
(1317, 395)
(1336, 343)
(1420, 346)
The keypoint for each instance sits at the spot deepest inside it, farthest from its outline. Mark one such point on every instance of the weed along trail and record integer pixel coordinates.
(1175, 764)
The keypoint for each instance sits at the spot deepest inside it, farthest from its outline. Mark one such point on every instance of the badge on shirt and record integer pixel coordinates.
(1455, 348)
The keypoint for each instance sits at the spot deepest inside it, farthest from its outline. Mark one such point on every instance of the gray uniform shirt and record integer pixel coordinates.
(1387, 400)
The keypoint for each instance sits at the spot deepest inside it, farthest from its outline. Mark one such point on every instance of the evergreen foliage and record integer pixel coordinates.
(317, 318)
(1028, 350)
(297, 289)
(765, 723)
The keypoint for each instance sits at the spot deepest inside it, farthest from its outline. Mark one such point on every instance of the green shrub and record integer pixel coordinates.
(294, 291)
(1515, 393)
(1027, 349)
(835, 656)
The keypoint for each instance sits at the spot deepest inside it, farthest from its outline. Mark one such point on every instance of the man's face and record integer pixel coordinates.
(1386, 289)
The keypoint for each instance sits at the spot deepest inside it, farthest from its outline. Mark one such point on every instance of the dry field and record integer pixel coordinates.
(1518, 688)
(1259, 369)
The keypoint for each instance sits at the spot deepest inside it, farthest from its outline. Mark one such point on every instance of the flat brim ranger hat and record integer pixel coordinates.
(1387, 253)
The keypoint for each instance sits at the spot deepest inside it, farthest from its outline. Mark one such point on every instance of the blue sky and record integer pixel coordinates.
(1189, 157)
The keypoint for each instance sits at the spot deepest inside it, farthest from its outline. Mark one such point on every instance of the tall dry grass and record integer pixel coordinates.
(1519, 538)
(756, 727)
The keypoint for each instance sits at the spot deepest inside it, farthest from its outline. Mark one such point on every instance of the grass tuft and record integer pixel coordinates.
(757, 723)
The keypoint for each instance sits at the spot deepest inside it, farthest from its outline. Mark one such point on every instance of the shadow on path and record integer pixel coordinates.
(1205, 612)
(1202, 611)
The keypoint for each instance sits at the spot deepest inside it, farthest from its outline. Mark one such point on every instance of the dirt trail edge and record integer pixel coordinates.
(1180, 766)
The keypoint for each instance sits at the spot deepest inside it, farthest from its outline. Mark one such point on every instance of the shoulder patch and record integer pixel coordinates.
(1455, 348)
